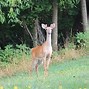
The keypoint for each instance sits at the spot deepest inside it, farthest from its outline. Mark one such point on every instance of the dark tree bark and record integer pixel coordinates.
(38, 37)
(84, 14)
(55, 30)
(35, 33)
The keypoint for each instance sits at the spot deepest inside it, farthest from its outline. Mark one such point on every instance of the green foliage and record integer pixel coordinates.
(16, 54)
(13, 15)
(13, 9)
(80, 36)
(5, 55)
(68, 3)
(2, 17)
(82, 39)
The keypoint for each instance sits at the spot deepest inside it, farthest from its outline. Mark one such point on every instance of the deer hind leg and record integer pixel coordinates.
(31, 62)
(34, 66)
(36, 69)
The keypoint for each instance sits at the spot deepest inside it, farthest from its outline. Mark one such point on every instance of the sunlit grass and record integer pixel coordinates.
(69, 74)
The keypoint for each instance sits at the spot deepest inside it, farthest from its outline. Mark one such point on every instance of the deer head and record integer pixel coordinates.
(48, 29)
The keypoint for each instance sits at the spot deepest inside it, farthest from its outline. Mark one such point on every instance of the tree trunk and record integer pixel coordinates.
(35, 33)
(55, 30)
(84, 14)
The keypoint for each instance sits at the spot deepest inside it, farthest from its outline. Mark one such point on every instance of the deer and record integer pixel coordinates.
(42, 53)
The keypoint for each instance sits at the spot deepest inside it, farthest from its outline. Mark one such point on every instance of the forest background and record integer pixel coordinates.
(20, 28)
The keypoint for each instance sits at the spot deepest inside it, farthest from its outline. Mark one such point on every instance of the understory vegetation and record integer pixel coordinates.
(12, 54)
(68, 70)
(17, 58)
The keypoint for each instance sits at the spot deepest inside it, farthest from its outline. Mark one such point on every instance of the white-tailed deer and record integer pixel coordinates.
(43, 53)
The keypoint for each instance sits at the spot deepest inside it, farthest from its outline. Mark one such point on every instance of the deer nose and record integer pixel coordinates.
(49, 33)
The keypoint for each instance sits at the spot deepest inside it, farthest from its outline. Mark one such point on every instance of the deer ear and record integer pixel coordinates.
(44, 26)
(52, 25)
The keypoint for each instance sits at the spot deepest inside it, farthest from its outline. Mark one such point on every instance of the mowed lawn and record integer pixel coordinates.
(68, 74)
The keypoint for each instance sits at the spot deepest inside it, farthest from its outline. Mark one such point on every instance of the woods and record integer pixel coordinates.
(20, 24)
(13, 13)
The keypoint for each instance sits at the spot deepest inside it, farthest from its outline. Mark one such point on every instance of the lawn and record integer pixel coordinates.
(68, 74)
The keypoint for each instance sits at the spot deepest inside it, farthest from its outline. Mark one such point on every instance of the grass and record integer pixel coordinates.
(68, 74)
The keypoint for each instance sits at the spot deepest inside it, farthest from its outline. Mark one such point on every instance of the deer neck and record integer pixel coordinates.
(48, 39)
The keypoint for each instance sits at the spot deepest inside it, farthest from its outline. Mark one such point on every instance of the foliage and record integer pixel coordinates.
(2, 17)
(5, 55)
(16, 54)
(14, 12)
(68, 3)
(82, 39)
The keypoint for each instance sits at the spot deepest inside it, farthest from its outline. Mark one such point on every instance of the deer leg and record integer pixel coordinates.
(33, 66)
(45, 67)
(36, 68)
(48, 62)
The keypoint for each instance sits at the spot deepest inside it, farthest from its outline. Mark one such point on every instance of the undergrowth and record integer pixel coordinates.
(13, 59)
(75, 49)
(14, 54)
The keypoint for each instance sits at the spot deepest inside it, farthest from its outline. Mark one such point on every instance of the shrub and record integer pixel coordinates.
(81, 39)
(10, 53)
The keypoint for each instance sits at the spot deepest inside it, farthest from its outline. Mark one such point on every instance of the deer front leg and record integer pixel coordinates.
(48, 62)
(45, 67)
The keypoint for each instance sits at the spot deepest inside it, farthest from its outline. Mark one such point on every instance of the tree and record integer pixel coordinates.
(84, 14)
(35, 33)
(55, 30)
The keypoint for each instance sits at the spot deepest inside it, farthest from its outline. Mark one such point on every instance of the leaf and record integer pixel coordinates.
(11, 10)
(19, 1)
(13, 2)
(17, 11)
(2, 17)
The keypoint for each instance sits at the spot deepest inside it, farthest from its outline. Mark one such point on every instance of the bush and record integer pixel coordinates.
(82, 39)
(10, 53)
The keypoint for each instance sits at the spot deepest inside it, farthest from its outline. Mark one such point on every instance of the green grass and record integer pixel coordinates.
(70, 74)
